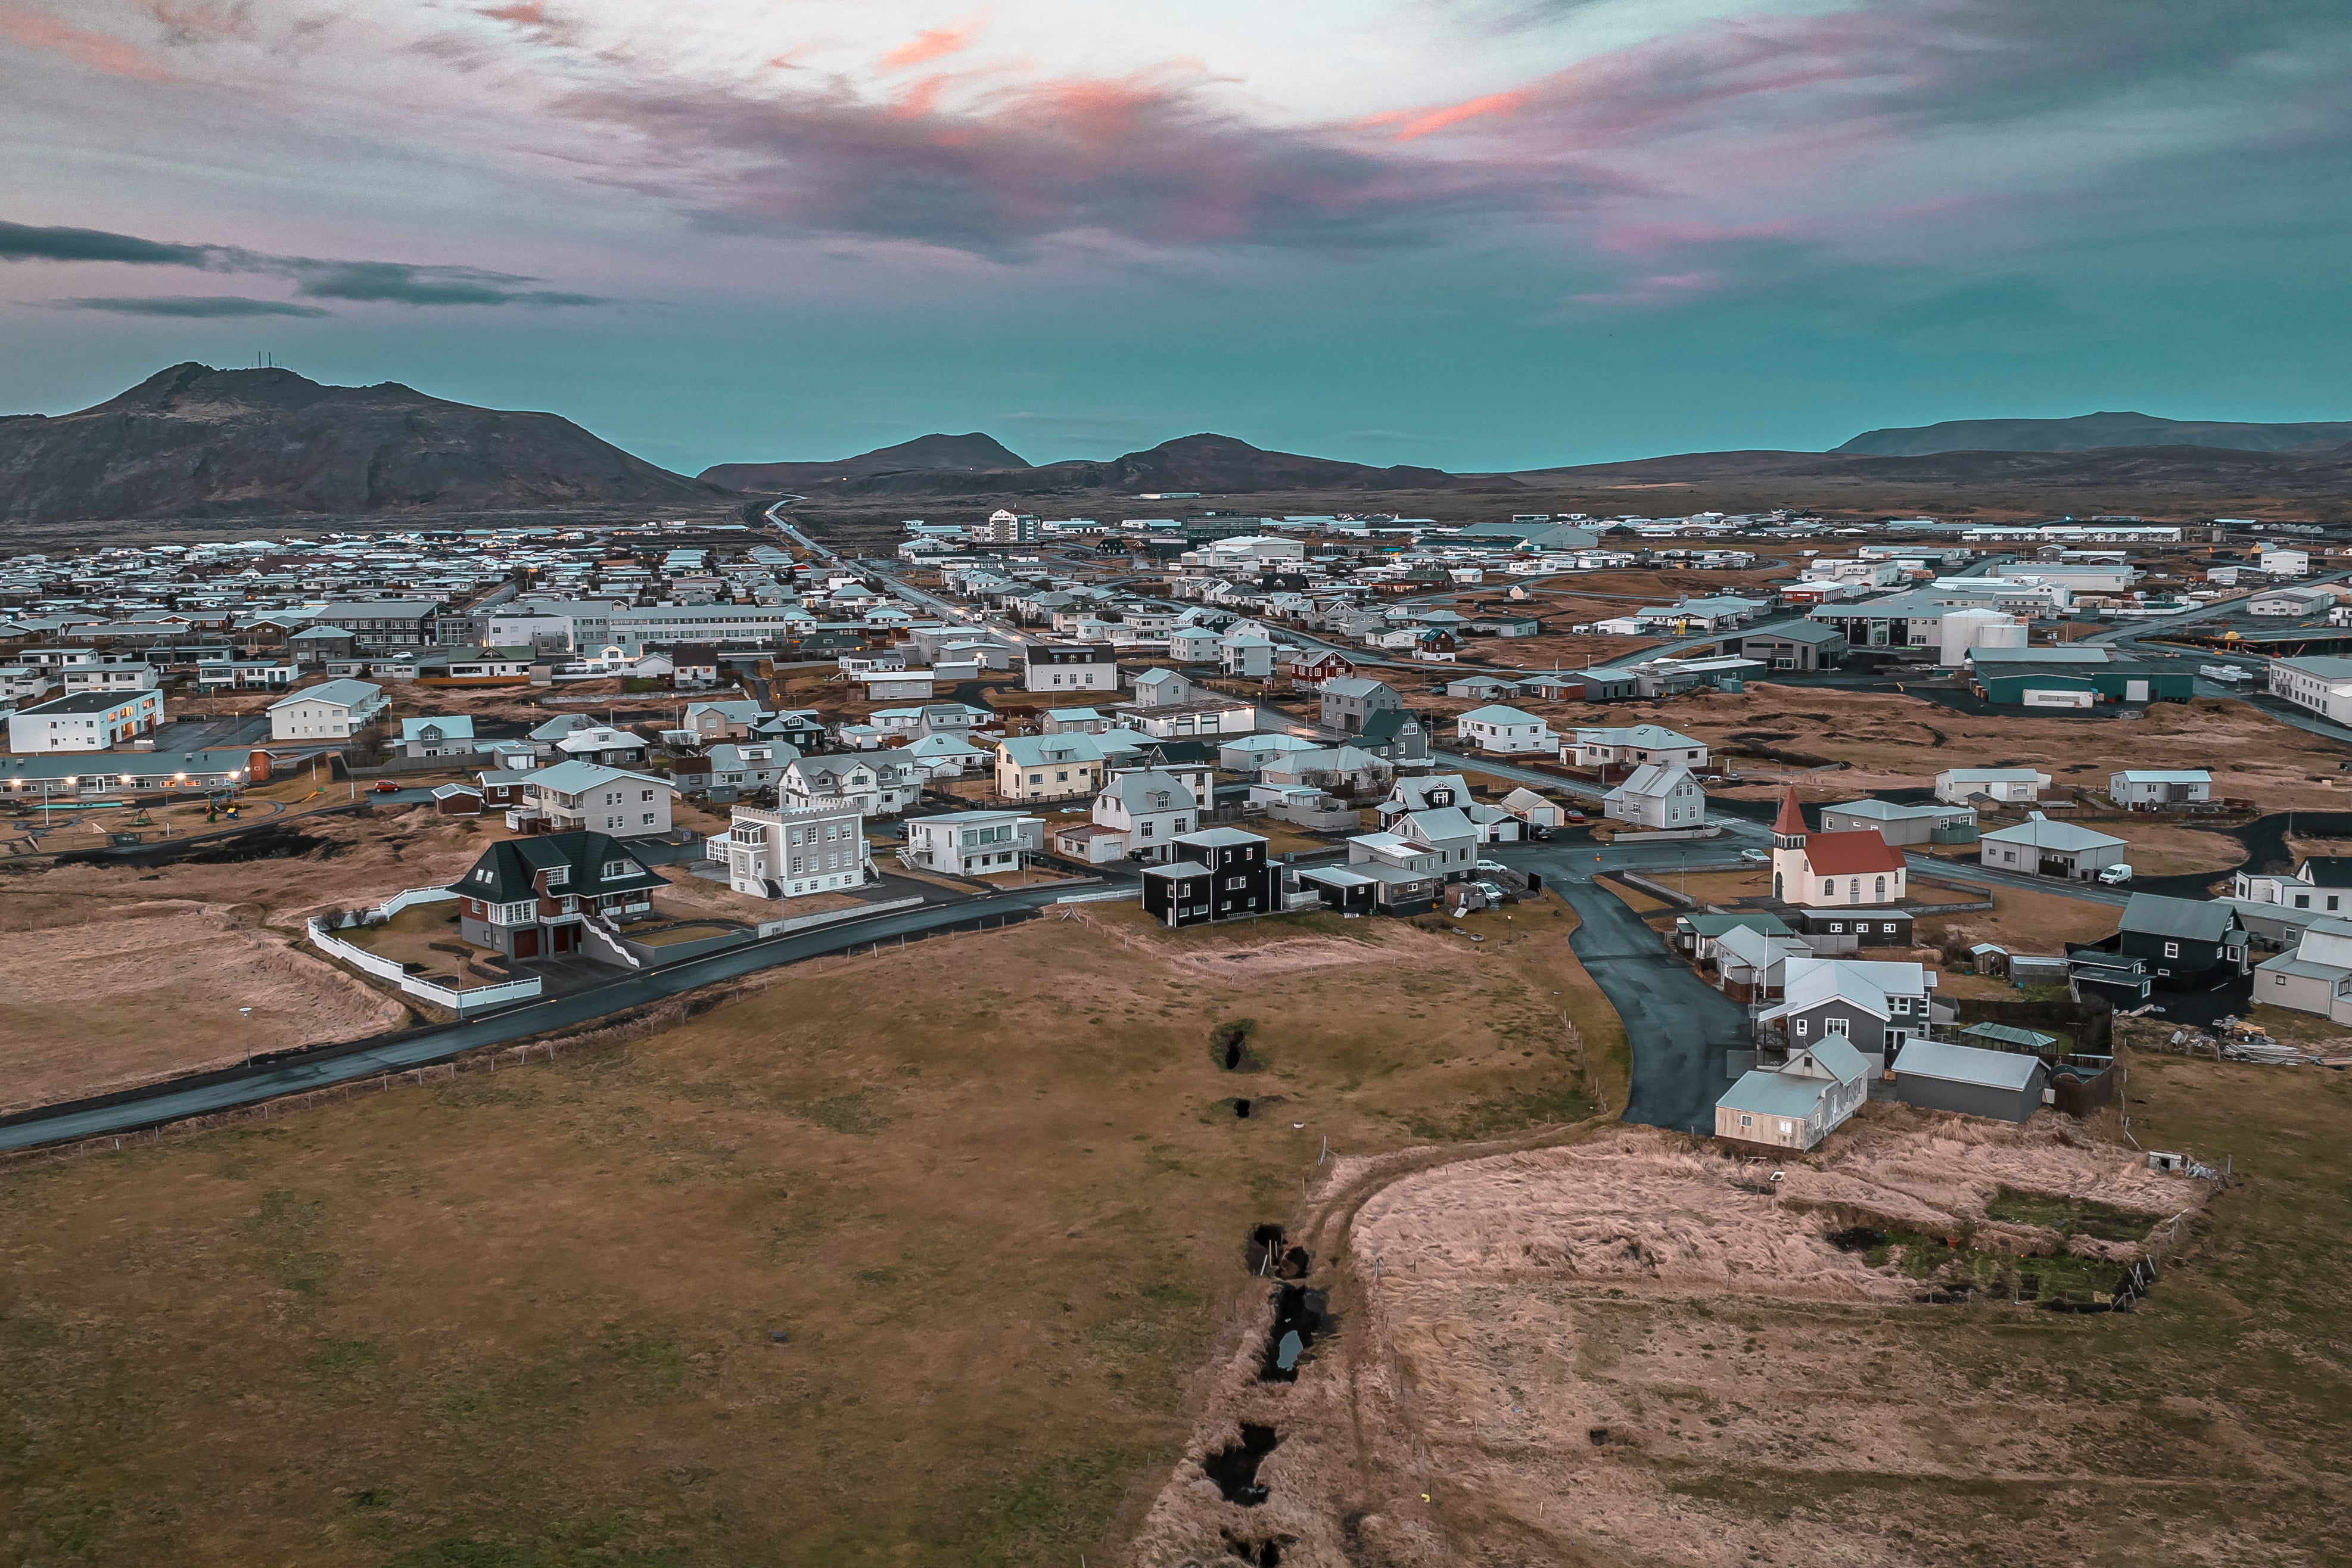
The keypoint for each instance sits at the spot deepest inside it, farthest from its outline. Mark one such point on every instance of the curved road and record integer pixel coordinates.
(268, 1080)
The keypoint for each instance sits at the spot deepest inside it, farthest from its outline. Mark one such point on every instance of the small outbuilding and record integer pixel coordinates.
(1938, 1076)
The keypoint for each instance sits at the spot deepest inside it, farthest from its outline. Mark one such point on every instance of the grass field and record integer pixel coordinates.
(992, 1191)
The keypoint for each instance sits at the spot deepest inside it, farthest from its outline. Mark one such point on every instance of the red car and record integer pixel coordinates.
(386, 786)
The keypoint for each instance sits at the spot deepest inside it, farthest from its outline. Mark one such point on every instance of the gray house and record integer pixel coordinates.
(1351, 700)
(2039, 847)
(1398, 734)
(1877, 1004)
(1903, 823)
(1795, 645)
(2004, 1085)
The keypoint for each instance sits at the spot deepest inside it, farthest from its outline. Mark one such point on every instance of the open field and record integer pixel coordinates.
(992, 1191)
(120, 973)
(1625, 1352)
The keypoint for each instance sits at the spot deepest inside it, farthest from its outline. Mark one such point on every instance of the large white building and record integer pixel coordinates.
(331, 710)
(578, 795)
(86, 721)
(1504, 731)
(2323, 685)
(792, 854)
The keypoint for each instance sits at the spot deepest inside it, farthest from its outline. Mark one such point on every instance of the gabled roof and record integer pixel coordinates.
(2041, 833)
(2326, 870)
(1438, 825)
(456, 727)
(1760, 1093)
(1353, 685)
(2192, 919)
(507, 870)
(1496, 714)
(1967, 1063)
(1837, 1056)
(1135, 791)
(343, 693)
(1858, 852)
(573, 777)
(1654, 779)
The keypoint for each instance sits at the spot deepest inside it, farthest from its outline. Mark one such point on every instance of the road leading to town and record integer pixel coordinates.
(1677, 1026)
(270, 1080)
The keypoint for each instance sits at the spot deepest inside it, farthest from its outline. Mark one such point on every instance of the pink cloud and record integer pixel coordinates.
(34, 29)
(930, 45)
(1433, 120)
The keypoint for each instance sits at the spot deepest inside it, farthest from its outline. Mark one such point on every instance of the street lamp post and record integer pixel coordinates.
(246, 1013)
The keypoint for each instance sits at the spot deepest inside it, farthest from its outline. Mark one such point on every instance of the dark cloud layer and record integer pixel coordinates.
(395, 282)
(192, 305)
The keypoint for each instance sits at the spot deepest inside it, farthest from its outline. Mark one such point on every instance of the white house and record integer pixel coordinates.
(881, 785)
(88, 721)
(1160, 688)
(577, 795)
(1635, 744)
(1958, 786)
(1657, 796)
(2136, 788)
(792, 854)
(1799, 1103)
(1247, 653)
(972, 843)
(446, 735)
(1147, 808)
(1504, 731)
(331, 710)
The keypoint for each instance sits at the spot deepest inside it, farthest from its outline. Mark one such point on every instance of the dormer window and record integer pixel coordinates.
(557, 876)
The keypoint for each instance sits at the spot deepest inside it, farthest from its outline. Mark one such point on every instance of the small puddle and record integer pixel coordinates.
(1299, 1315)
(1234, 1466)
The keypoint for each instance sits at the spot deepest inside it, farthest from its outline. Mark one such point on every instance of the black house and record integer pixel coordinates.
(530, 898)
(1219, 874)
(2183, 944)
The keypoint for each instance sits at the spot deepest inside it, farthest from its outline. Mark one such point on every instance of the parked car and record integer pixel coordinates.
(386, 786)
(2115, 876)
(1754, 857)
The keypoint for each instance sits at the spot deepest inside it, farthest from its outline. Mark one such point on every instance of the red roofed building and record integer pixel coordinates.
(1832, 870)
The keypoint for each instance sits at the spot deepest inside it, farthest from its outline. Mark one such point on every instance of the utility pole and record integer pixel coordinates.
(246, 1013)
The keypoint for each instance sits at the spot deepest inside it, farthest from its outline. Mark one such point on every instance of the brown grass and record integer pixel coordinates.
(993, 1189)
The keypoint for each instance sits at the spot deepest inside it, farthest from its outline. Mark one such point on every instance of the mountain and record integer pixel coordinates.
(1212, 465)
(924, 453)
(2089, 432)
(193, 441)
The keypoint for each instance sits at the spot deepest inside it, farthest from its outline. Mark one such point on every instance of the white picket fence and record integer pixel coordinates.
(458, 1001)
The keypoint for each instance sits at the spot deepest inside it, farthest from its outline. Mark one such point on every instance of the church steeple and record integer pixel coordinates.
(1789, 827)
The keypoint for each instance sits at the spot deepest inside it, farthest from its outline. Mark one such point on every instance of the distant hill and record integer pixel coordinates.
(1212, 465)
(2180, 471)
(924, 453)
(193, 441)
(2089, 432)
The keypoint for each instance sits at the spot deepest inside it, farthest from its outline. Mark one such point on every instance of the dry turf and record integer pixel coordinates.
(903, 1258)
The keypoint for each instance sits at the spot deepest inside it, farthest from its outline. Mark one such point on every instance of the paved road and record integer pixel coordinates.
(268, 1080)
(1677, 1026)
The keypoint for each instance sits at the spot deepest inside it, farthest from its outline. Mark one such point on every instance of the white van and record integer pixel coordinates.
(2115, 876)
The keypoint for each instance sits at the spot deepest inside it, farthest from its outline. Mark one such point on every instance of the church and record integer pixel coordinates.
(1839, 884)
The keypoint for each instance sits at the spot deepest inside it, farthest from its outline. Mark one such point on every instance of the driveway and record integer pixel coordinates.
(1677, 1026)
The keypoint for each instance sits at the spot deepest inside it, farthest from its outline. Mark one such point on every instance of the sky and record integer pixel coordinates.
(1472, 234)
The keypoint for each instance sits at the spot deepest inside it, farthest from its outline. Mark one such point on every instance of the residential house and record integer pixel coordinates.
(791, 853)
(1396, 735)
(723, 720)
(1350, 701)
(947, 756)
(1162, 688)
(1796, 1105)
(2005, 786)
(1876, 1005)
(2322, 882)
(972, 843)
(1657, 797)
(445, 735)
(1482, 688)
(2039, 847)
(2186, 944)
(1504, 731)
(745, 767)
(2315, 975)
(1308, 668)
(1342, 770)
(2153, 789)
(1069, 666)
(1247, 655)
(1047, 767)
(331, 710)
(90, 722)
(1149, 809)
(1633, 745)
(1937, 1075)
(1222, 873)
(528, 897)
(1751, 962)
(589, 795)
(881, 785)
(1534, 809)
(601, 744)
(1416, 857)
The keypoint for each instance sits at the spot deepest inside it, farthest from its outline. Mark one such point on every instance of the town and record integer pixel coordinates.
(1874, 845)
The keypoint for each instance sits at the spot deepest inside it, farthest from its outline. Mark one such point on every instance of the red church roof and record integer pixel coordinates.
(1791, 820)
(1856, 854)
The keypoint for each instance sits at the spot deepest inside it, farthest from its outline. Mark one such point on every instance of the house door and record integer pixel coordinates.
(2135, 690)
(526, 944)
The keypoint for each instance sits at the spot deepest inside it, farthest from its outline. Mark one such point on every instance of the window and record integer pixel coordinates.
(557, 876)
(1748, 1121)
(1829, 888)
(2303, 901)
(2172, 950)
(1800, 1028)
(1880, 896)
